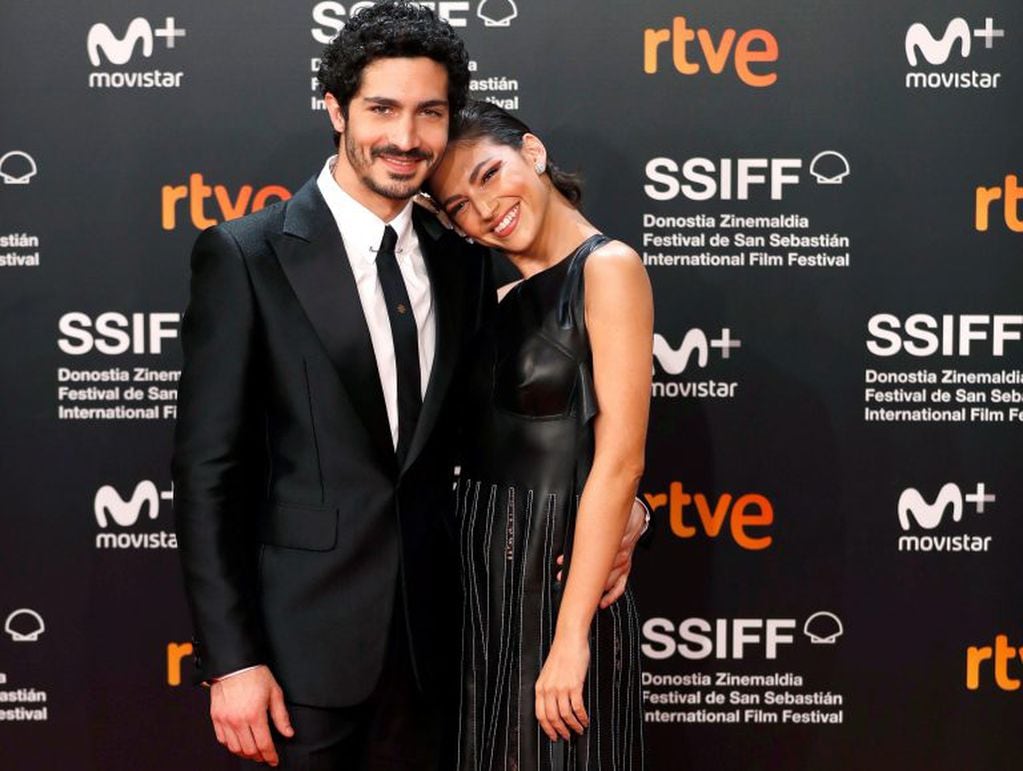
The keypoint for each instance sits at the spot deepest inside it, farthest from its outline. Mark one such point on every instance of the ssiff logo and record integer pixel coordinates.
(119, 51)
(922, 46)
(17, 167)
(735, 639)
(916, 513)
(115, 513)
(329, 15)
(739, 179)
(748, 515)
(674, 361)
(1010, 194)
(229, 206)
(753, 48)
(24, 625)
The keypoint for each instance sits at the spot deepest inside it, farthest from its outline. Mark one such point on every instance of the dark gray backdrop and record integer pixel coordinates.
(795, 489)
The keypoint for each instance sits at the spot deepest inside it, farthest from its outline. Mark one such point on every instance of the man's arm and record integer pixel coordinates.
(219, 472)
(217, 465)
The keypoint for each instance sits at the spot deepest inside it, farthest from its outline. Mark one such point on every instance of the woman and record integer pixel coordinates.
(556, 414)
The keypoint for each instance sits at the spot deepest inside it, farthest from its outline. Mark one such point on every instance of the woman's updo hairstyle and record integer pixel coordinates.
(483, 120)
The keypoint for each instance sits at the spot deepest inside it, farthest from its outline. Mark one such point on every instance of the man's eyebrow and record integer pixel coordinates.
(386, 100)
(380, 100)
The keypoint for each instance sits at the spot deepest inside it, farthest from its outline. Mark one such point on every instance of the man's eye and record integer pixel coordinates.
(433, 113)
(379, 108)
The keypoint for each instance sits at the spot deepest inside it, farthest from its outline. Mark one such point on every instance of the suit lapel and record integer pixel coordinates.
(313, 257)
(446, 281)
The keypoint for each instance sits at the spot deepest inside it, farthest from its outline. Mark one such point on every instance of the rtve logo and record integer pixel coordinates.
(1010, 194)
(113, 333)
(696, 639)
(111, 509)
(915, 512)
(754, 47)
(118, 51)
(922, 46)
(950, 335)
(999, 655)
(176, 652)
(744, 513)
(229, 206)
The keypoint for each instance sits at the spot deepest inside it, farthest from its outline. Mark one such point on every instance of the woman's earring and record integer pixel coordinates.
(540, 167)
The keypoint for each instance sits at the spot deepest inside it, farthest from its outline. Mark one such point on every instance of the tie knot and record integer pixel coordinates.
(390, 239)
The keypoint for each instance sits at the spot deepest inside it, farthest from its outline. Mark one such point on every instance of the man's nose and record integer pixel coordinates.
(404, 134)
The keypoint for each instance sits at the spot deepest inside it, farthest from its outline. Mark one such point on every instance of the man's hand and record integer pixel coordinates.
(238, 707)
(622, 566)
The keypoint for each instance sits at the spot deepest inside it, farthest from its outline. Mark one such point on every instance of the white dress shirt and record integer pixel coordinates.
(362, 231)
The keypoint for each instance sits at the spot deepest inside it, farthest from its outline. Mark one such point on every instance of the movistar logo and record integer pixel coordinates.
(937, 51)
(119, 50)
(912, 505)
(109, 503)
(915, 509)
(674, 361)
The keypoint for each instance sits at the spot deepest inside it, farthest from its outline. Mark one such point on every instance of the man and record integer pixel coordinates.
(315, 440)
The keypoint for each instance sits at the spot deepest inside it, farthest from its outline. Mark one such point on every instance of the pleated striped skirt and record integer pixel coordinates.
(510, 539)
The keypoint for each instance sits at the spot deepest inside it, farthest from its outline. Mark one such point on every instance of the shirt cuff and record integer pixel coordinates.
(231, 674)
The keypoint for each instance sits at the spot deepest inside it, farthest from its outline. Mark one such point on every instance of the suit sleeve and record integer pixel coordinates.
(219, 464)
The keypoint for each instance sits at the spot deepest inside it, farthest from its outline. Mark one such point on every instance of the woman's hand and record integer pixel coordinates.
(559, 688)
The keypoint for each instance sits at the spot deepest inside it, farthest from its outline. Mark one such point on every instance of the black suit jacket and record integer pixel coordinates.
(297, 529)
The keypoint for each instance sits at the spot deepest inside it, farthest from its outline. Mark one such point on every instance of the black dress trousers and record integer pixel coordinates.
(398, 728)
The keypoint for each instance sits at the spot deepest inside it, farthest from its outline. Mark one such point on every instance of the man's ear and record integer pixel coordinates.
(337, 118)
(534, 150)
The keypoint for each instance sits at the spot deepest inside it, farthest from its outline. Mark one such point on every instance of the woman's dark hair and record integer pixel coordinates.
(392, 29)
(483, 120)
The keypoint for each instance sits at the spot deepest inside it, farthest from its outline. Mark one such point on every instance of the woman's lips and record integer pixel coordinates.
(507, 223)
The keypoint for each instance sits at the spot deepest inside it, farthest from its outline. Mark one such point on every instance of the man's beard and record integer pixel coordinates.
(395, 189)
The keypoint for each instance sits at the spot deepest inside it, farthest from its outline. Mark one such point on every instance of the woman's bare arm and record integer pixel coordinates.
(619, 319)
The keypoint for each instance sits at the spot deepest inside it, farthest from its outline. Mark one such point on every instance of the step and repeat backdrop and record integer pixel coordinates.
(827, 196)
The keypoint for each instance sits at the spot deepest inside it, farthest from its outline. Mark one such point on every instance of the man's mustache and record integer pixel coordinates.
(417, 154)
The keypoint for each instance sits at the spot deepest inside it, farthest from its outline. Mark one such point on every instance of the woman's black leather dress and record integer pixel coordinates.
(529, 412)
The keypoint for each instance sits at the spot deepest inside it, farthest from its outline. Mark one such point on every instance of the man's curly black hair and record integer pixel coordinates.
(392, 28)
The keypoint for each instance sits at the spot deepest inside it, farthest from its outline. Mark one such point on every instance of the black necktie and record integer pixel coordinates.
(406, 341)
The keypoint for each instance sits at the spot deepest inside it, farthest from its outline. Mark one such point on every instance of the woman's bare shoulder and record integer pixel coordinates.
(613, 261)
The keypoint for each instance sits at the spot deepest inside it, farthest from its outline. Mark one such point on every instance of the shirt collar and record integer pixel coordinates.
(360, 228)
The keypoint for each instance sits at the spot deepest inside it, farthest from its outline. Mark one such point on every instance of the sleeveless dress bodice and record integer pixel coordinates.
(528, 416)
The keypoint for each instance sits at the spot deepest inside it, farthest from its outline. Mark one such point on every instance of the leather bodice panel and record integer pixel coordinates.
(531, 391)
